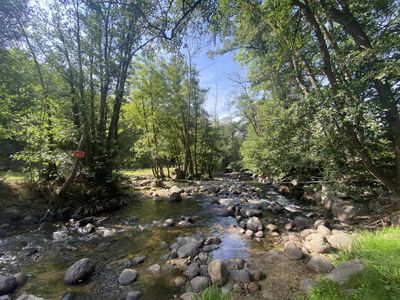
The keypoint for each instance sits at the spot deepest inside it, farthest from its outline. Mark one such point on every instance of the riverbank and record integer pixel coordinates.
(168, 234)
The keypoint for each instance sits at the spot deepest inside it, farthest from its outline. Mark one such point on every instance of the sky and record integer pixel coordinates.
(214, 76)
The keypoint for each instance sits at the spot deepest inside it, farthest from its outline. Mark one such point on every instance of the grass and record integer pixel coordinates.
(212, 293)
(380, 253)
(10, 176)
(139, 172)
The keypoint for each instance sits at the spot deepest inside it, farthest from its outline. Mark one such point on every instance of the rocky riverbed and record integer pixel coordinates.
(178, 239)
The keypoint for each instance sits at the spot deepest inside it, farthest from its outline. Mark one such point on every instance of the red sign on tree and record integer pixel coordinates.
(79, 154)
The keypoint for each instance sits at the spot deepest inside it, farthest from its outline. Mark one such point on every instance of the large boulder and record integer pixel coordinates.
(344, 271)
(127, 277)
(199, 283)
(218, 272)
(254, 224)
(319, 264)
(7, 285)
(175, 193)
(316, 243)
(79, 271)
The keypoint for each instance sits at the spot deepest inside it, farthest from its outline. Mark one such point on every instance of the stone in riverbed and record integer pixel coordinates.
(218, 272)
(133, 295)
(127, 277)
(319, 264)
(324, 231)
(7, 285)
(26, 296)
(187, 296)
(180, 280)
(175, 193)
(169, 223)
(212, 240)
(254, 224)
(239, 275)
(257, 275)
(307, 285)
(339, 240)
(199, 283)
(138, 260)
(301, 223)
(253, 213)
(272, 227)
(292, 251)
(192, 271)
(249, 233)
(259, 234)
(190, 249)
(21, 278)
(184, 224)
(154, 268)
(210, 248)
(344, 271)
(79, 271)
(316, 243)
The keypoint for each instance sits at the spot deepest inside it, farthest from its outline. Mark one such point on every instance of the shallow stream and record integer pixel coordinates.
(133, 230)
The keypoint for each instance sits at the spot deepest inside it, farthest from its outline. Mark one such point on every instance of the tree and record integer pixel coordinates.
(317, 58)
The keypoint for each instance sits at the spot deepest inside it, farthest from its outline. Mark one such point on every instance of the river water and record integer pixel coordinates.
(131, 231)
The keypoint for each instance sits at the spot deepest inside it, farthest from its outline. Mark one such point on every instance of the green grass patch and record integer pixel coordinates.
(380, 253)
(138, 172)
(10, 176)
(212, 293)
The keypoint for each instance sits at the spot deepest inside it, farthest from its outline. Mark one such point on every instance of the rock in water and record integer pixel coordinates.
(79, 271)
(133, 295)
(154, 268)
(7, 285)
(254, 224)
(137, 260)
(175, 193)
(191, 249)
(25, 296)
(218, 272)
(127, 277)
(239, 276)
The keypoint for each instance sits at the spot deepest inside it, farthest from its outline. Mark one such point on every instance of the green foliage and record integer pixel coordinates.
(379, 252)
(167, 114)
(314, 97)
(212, 293)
